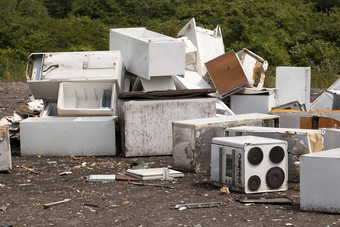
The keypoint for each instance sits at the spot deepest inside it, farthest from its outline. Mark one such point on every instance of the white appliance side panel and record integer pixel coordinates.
(331, 138)
(323, 102)
(319, 184)
(147, 125)
(293, 84)
(5, 150)
(68, 136)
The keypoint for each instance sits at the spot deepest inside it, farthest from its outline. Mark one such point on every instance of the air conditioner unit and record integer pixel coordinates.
(249, 164)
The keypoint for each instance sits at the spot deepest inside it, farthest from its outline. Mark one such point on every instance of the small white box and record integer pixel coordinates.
(68, 136)
(5, 149)
(87, 99)
(148, 53)
(253, 101)
(145, 125)
(319, 181)
(249, 164)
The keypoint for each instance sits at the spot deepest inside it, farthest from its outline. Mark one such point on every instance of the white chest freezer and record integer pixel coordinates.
(191, 139)
(68, 136)
(249, 164)
(319, 181)
(145, 125)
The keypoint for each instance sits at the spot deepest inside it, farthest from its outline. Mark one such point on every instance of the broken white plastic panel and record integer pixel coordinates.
(208, 43)
(46, 70)
(192, 60)
(68, 136)
(293, 84)
(5, 149)
(300, 141)
(152, 174)
(191, 80)
(319, 181)
(253, 65)
(158, 83)
(87, 99)
(148, 53)
(222, 108)
(253, 100)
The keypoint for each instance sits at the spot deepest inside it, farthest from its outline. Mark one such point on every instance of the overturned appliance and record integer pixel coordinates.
(249, 164)
(5, 149)
(147, 53)
(227, 73)
(319, 181)
(46, 70)
(191, 139)
(300, 141)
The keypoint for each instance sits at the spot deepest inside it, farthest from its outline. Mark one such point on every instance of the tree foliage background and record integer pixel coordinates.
(284, 32)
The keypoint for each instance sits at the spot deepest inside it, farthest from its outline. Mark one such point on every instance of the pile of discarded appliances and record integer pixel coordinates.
(151, 94)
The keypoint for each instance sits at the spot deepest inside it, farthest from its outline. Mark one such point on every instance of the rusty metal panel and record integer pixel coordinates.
(319, 181)
(227, 73)
(145, 125)
(5, 149)
(192, 138)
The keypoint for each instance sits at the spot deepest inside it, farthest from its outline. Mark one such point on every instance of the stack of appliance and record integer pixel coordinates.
(79, 90)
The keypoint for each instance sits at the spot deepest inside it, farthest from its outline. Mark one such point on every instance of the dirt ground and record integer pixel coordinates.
(23, 193)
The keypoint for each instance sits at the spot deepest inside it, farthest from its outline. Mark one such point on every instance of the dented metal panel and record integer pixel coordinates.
(46, 70)
(145, 125)
(5, 149)
(148, 53)
(192, 138)
(319, 181)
